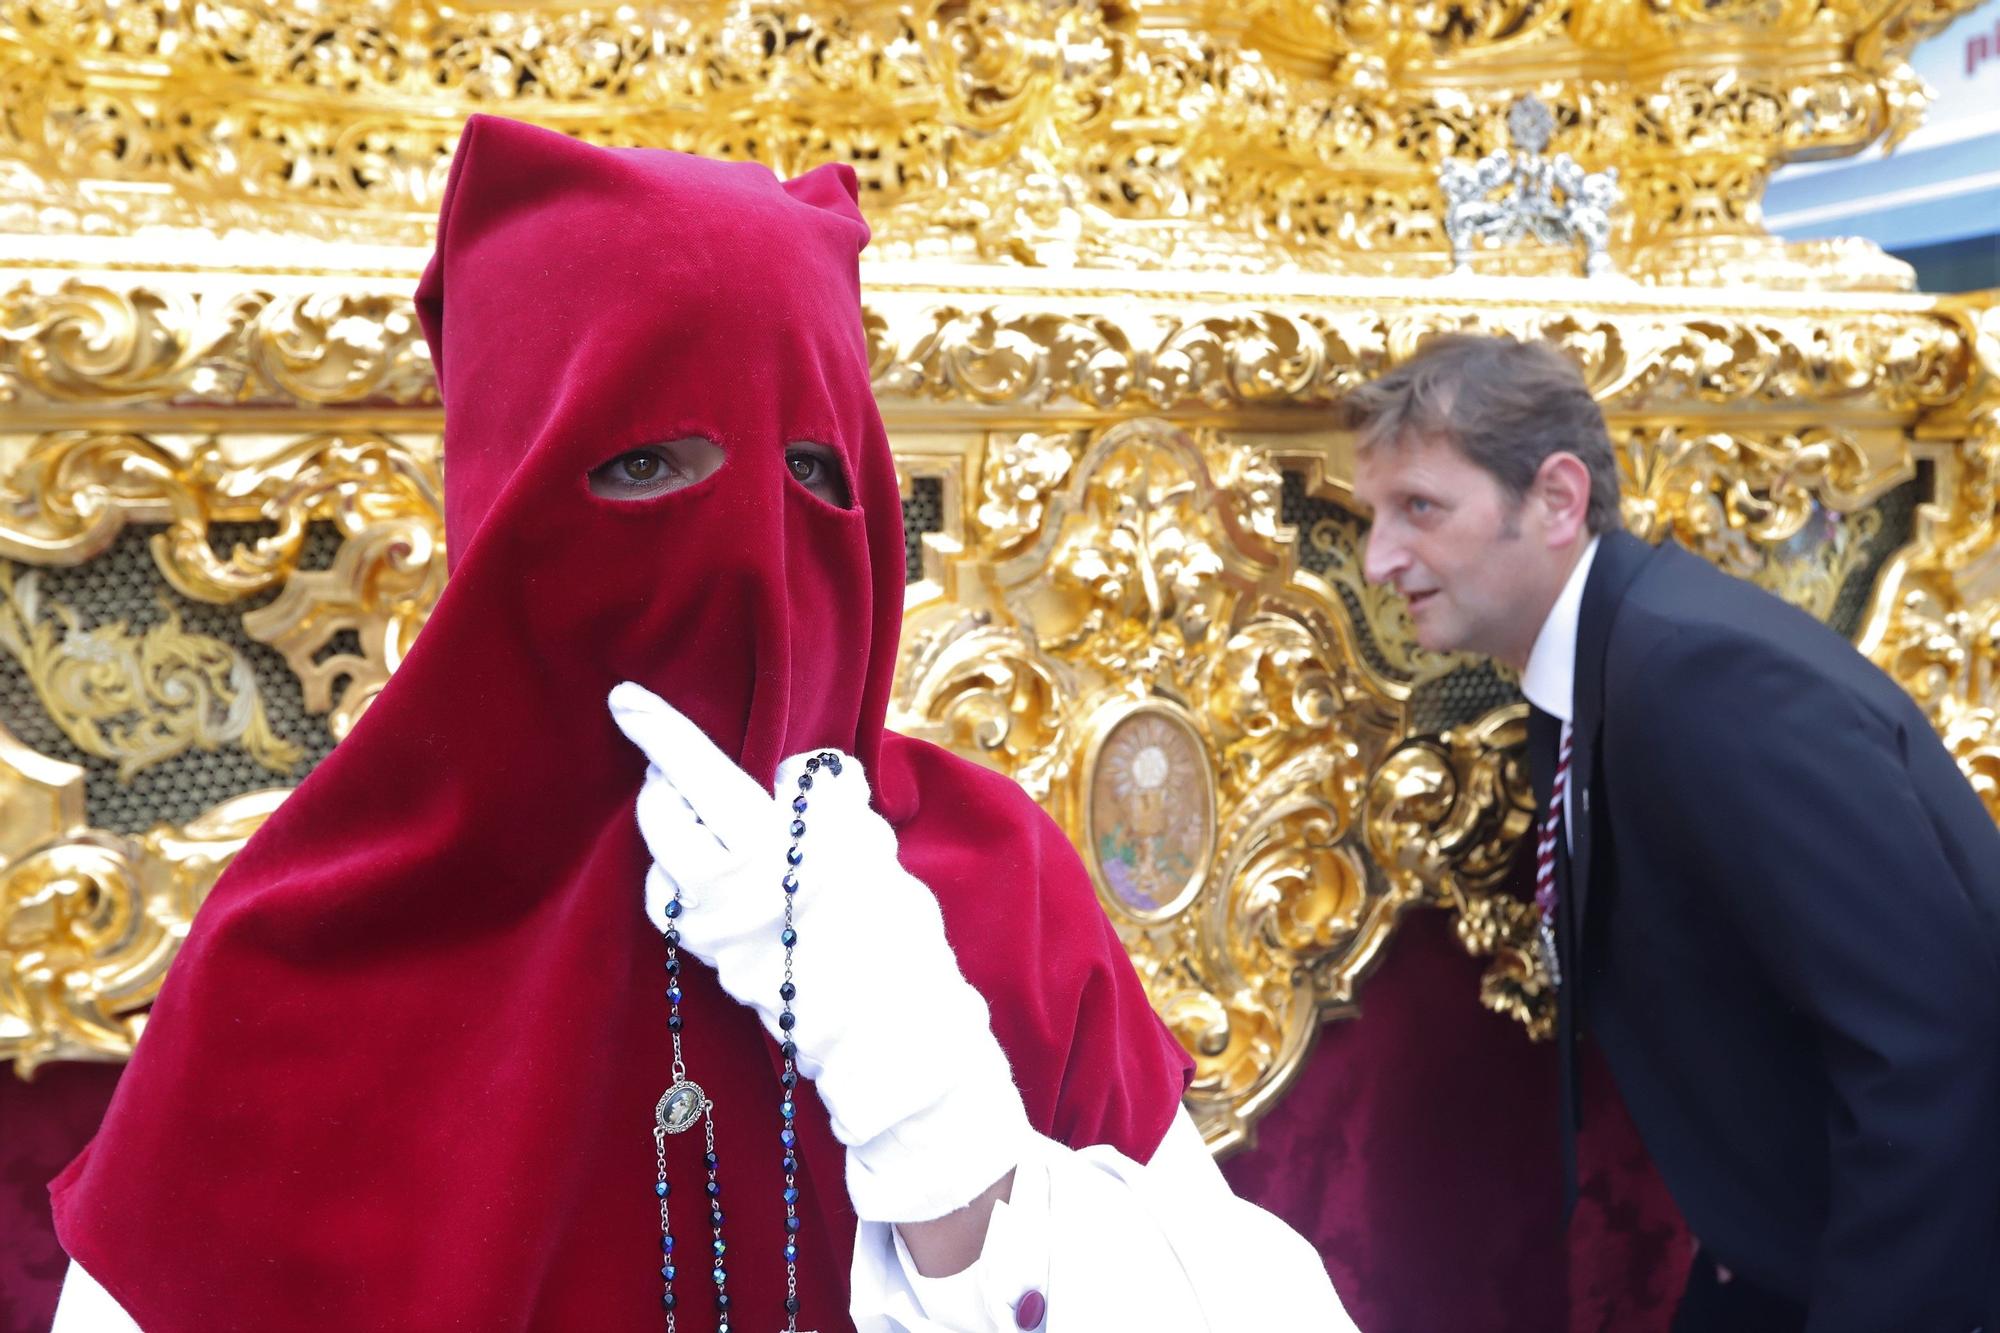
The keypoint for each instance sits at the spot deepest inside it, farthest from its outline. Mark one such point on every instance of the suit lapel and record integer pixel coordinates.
(1620, 556)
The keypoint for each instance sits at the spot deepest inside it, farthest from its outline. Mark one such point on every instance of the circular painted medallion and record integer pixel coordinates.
(679, 1107)
(1150, 807)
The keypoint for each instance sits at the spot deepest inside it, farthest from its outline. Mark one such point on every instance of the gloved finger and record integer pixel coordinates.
(676, 836)
(842, 791)
(728, 800)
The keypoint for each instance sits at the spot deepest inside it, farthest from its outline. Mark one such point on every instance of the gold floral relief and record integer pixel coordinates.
(135, 698)
(1158, 671)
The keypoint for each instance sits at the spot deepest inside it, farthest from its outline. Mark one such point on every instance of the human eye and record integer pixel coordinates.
(655, 469)
(814, 467)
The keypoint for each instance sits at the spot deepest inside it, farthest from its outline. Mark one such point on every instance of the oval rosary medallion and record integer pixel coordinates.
(679, 1107)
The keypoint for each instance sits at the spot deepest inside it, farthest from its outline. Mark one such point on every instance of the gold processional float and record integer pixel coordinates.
(1129, 256)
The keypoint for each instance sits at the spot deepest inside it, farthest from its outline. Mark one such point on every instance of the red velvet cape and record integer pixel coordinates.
(402, 1074)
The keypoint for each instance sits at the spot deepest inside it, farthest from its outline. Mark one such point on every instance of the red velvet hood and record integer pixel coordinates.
(402, 1073)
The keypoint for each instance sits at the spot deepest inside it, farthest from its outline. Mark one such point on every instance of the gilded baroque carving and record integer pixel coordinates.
(135, 698)
(1935, 621)
(1040, 133)
(89, 924)
(71, 492)
(1155, 668)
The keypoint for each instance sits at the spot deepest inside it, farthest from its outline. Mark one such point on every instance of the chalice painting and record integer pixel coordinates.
(1151, 817)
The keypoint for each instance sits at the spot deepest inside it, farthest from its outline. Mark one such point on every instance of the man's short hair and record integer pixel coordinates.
(1505, 404)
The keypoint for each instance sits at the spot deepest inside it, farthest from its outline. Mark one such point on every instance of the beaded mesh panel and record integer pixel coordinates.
(125, 584)
(922, 512)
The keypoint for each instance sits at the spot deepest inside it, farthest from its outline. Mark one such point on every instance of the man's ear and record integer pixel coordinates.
(1562, 486)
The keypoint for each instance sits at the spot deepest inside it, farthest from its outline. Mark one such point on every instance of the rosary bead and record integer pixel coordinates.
(791, 1305)
(673, 967)
(805, 782)
(721, 1247)
(787, 991)
(833, 764)
(660, 1188)
(791, 1164)
(788, 1138)
(667, 1272)
(798, 805)
(710, 1160)
(791, 1251)
(673, 1022)
(788, 937)
(791, 1224)
(720, 1276)
(812, 764)
(668, 1300)
(791, 1194)
(722, 1300)
(793, 856)
(673, 994)
(790, 1078)
(667, 1244)
(673, 908)
(789, 1049)
(673, 937)
(791, 882)
(787, 1020)
(714, 1189)
(798, 828)
(786, 1109)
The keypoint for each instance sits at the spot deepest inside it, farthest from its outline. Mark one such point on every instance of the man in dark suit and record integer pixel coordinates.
(1770, 896)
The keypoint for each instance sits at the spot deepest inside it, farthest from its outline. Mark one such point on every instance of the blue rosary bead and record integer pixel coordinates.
(787, 1020)
(791, 1224)
(667, 1272)
(787, 991)
(791, 1305)
(793, 856)
(673, 935)
(791, 1251)
(674, 994)
(714, 1189)
(788, 1138)
(788, 937)
(673, 967)
(721, 1247)
(785, 1110)
(791, 1194)
(805, 780)
(673, 908)
(668, 1300)
(720, 1276)
(673, 1022)
(833, 764)
(715, 1217)
(798, 805)
(798, 828)
(722, 1300)
(790, 1164)
(667, 1244)
(791, 882)
(790, 1078)
(789, 1049)
(710, 1160)
(660, 1188)
(812, 764)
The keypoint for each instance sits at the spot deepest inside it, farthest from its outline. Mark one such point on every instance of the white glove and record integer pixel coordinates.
(891, 1034)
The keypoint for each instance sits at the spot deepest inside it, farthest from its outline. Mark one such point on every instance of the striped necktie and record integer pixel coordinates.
(1545, 860)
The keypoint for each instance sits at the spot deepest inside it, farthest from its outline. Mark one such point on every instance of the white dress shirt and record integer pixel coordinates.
(1549, 680)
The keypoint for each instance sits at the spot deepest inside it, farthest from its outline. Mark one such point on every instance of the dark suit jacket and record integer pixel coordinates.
(1781, 922)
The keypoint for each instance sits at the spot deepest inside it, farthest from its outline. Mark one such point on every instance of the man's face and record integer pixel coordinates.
(1467, 556)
